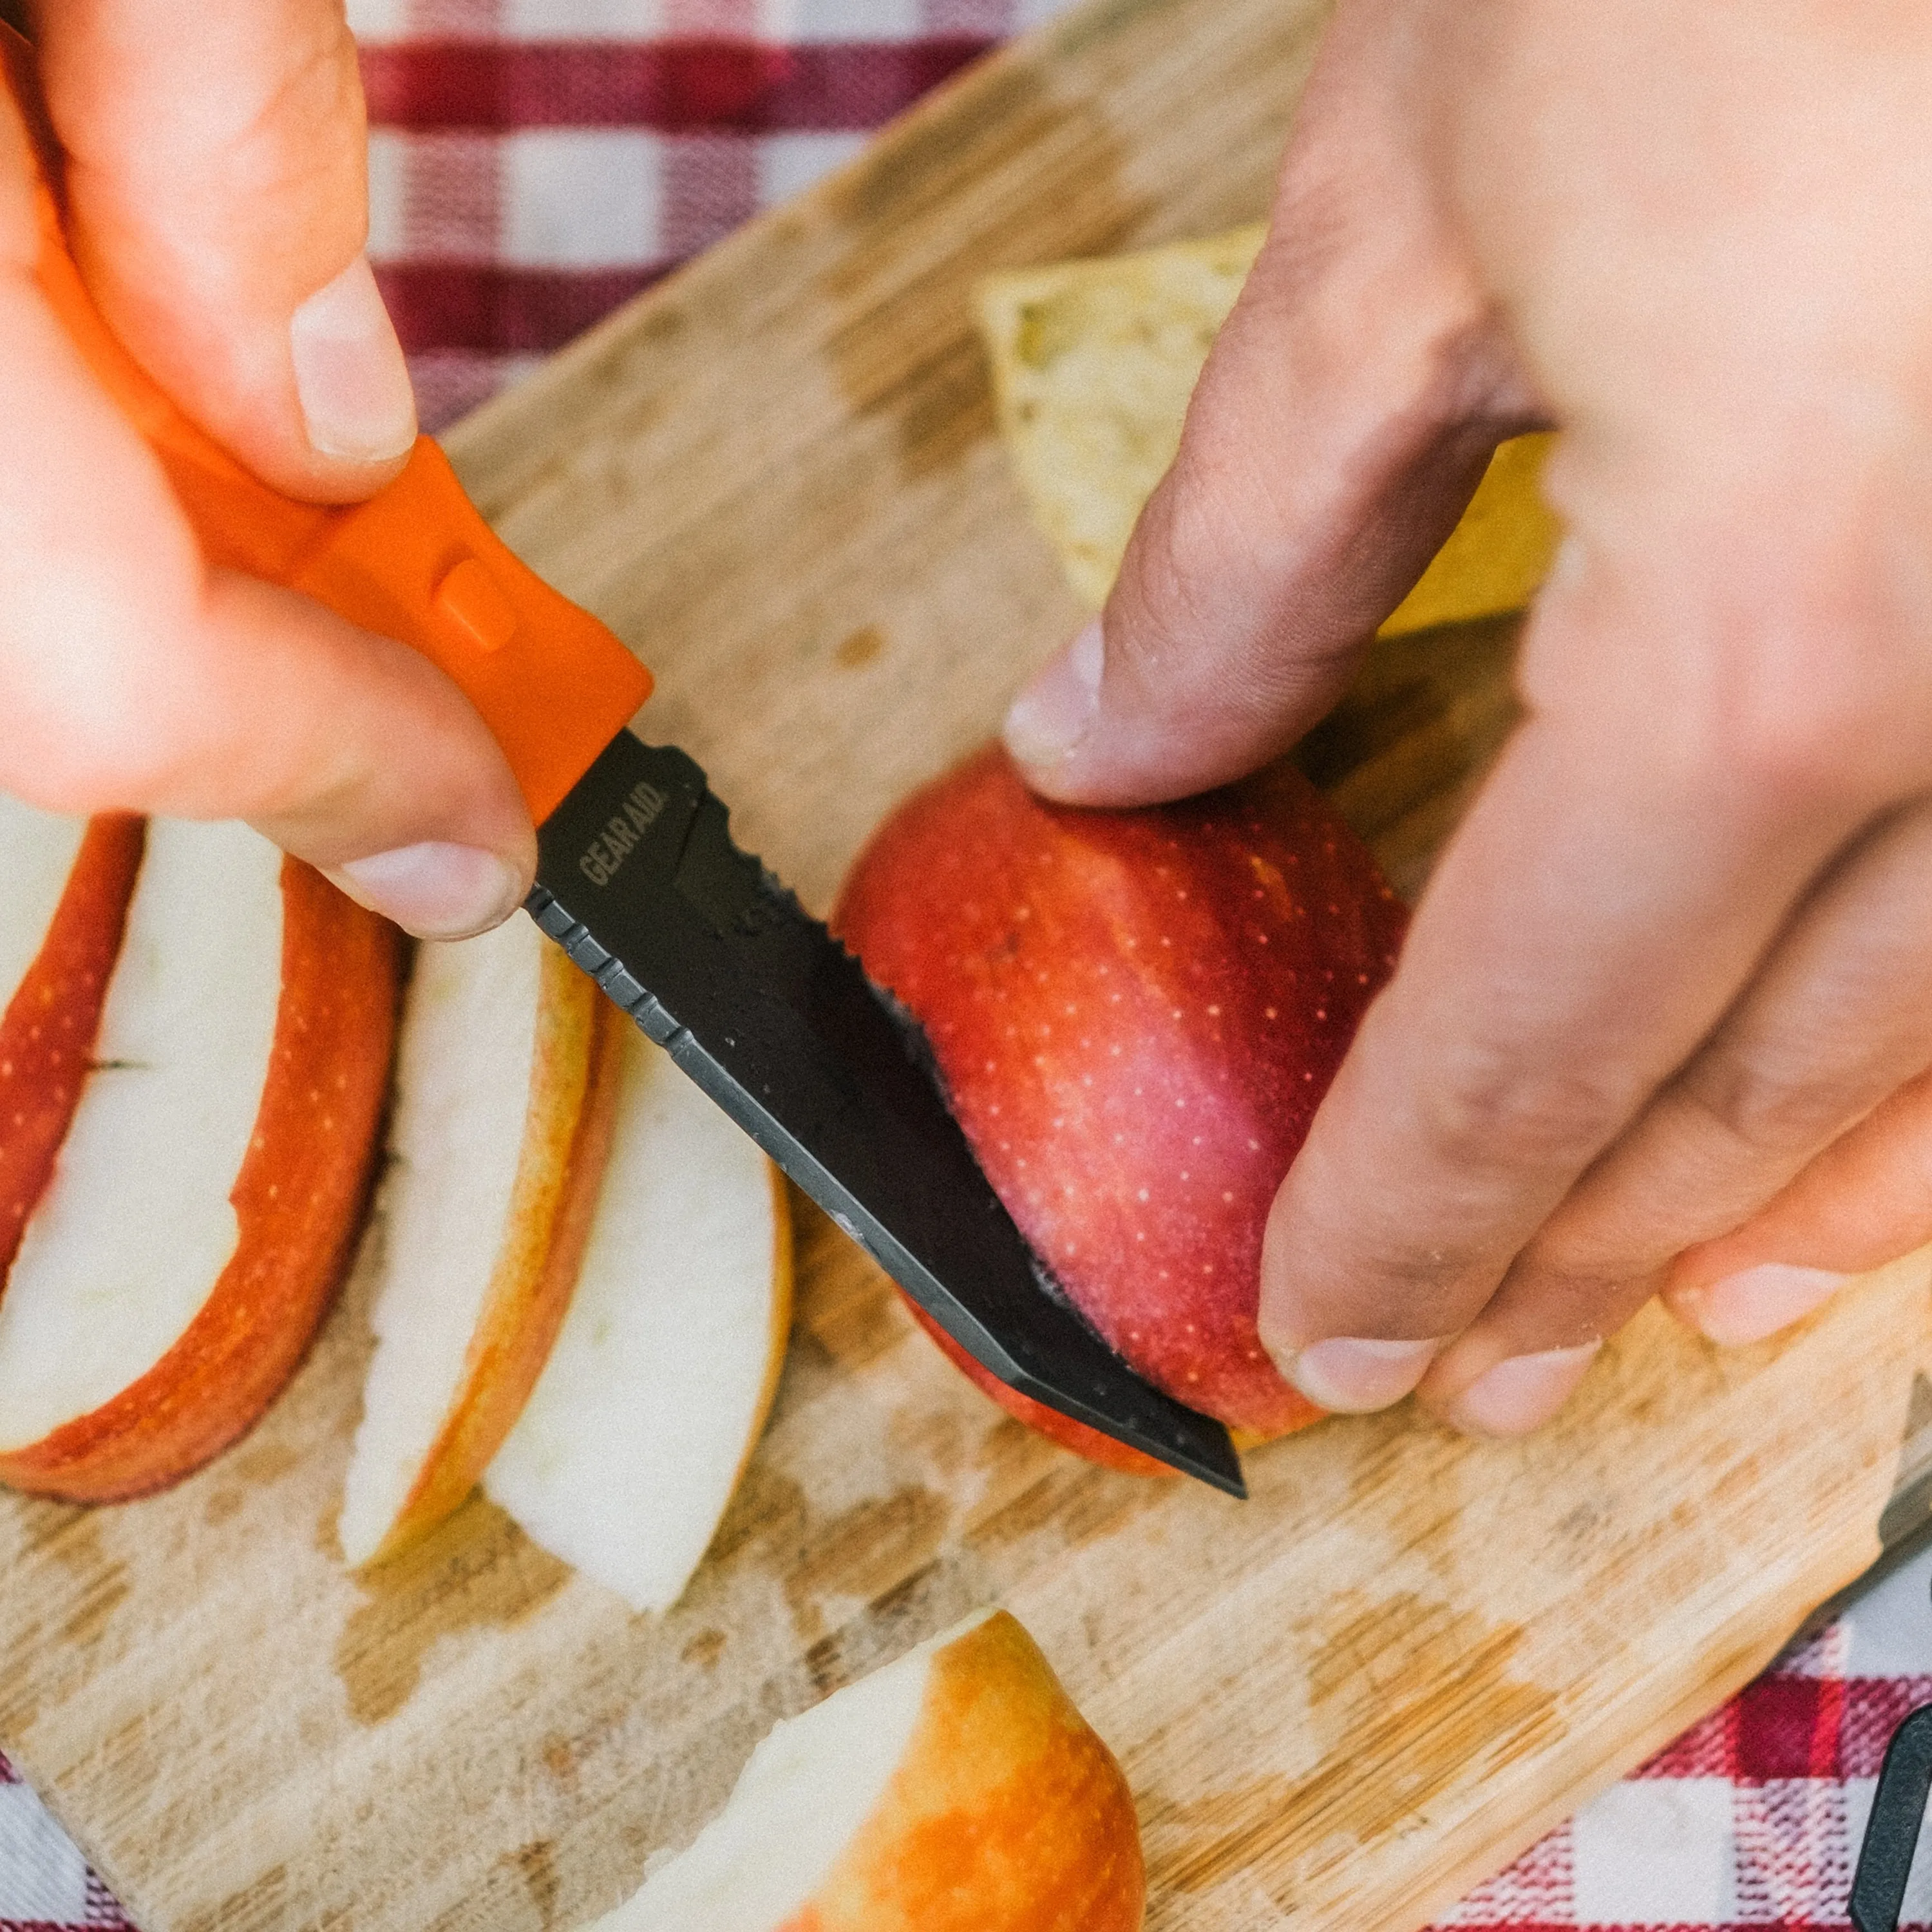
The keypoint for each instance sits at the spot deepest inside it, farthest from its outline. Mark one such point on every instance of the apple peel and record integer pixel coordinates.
(957, 1790)
(68, 882)
(661, 1378)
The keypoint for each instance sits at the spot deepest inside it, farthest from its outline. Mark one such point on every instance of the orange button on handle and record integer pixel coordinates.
(468, 597)
(415, 562)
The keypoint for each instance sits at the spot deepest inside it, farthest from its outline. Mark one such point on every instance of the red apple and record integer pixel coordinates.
(1135, 1015)
(205, 1196)
(68, 882)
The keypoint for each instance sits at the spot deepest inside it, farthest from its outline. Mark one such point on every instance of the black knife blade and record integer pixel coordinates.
(638, 879)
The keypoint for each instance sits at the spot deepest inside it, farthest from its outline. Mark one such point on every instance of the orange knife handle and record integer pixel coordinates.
(415, 562)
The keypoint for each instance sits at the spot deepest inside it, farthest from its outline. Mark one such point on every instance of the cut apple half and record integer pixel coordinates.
(638, 1429)
(959, 1789)
(67, 883)
(1134, 1014)
(170, 1276)
(506, 1097)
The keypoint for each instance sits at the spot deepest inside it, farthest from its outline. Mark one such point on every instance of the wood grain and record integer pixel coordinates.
(1351, 1697)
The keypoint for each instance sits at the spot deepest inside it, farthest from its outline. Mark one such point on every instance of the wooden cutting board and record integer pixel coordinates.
(1350, 1698)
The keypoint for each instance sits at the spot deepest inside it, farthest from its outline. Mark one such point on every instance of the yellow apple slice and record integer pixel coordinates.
(632, 1442)
(959, 1789)
(506, 1083)
(201, 1204)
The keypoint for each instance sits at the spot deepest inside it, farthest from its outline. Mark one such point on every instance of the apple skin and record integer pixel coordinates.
(1135, 1015)
(298, 1200)
(50, 1024)
(1008, 1812)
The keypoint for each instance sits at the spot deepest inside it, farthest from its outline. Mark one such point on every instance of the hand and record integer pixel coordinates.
(218, 205)
(1664, 1018)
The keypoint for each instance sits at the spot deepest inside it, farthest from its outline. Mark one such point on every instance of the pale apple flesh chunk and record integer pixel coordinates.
(631, 1443)
(136, 1224)
(959, 1789)
(505, 1091)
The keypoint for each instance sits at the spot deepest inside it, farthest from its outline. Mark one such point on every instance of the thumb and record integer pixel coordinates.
(218, 207)
(1342, 422)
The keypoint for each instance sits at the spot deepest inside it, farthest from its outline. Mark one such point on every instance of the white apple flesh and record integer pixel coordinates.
(811, 1783)
(633, 1440)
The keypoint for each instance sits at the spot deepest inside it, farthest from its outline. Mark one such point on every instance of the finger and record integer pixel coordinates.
(1641, 842)
(1865, 1201)
(131, 678)
(1839, 1017)
(218, 208)
(1343, 420)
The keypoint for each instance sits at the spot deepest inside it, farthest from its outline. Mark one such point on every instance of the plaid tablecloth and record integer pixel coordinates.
(534, 162)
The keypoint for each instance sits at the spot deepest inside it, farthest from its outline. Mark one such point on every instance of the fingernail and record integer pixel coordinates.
(1351, 1376)
(353, 384)
(1523, 1393)
(435, 890)
(1757, 1302)
(1057, 710)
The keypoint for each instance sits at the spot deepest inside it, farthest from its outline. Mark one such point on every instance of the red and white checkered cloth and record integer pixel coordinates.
(534, 162)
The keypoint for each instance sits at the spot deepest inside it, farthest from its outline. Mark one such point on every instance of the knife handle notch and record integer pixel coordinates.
(416, 562)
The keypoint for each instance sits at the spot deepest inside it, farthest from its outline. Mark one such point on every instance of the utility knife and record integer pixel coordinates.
(638, 881)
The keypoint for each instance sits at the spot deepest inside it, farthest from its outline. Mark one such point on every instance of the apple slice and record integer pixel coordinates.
(505, 1092)
(68, 882)
(203, 1201)
(638, 1429)
(959, 1789)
